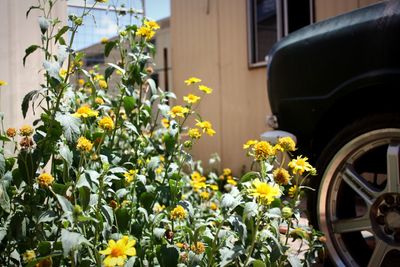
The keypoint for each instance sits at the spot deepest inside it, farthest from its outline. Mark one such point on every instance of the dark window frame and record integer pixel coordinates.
(283, 25)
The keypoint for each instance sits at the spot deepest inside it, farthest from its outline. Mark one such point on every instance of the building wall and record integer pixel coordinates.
(209, 41)
(17, 33)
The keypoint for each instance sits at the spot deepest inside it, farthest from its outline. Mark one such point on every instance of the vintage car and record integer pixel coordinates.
(334, 85)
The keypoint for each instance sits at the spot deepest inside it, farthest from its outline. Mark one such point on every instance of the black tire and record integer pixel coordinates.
(353, 203)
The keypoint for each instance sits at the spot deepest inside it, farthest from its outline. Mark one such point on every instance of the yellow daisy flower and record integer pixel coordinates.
(192, 80)
(264, 191)
(178, 213)
(191, 98)
(205, 89)
(117, 252)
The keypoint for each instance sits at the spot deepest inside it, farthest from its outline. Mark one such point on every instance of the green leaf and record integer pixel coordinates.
(66, 154)
(65, 204)
(108, 72)
(71, 241)
(60, 33)
(108, 47)
(25, 102)
(129, 104)
(117, 67)
(2, 165)
(169, 141)
(258, 263)
(146, 199)
(84, 197)
(230, 254)
(4, 198)
(47, 216)
(44, 248)
(249, 176)
(153, 86)
(70, 126)
(4, 138)
(169, 256)
(123, 218)
(29, 51)
(250, 209)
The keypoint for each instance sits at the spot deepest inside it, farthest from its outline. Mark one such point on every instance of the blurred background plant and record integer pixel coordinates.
(102, 179)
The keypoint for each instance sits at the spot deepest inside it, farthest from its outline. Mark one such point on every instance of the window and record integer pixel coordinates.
(270, 20)
(92, 60)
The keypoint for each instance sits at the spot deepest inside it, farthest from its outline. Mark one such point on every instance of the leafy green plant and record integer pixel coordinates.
(103, 179)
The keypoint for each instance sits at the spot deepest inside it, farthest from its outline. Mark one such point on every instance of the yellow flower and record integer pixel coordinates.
(130, 176)
(81, 82)
(62, 73)
(300, 164)
(26, 130)
(205, 195)
(106, 123)
(192, 80)
(145, 32)
(191, 98)
(98, 77)
(99, 101)
(178, 213)
(45, 180)
(28, 256)
(178, 111)
(213, 206)
(292, 191)
(205, 89)
(196, 176)
(103, 84)
(206, 127)
(117, 252)
(165, 122)
(194, 133)
(281, 176)
(227, 171)
(262, 150)
(3, 83)
(213, 187)
(231, 181)
(199, 248)
(285, 144)
(46, 262)
(158, 208)
(85, 112)
(11, 132)
(84, 144)
(151, 24)
(265, 192)
(104, 40)
(249, 144)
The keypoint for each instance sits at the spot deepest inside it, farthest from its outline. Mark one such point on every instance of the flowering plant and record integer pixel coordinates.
(108, 180)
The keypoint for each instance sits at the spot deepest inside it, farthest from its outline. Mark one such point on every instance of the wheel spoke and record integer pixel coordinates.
(393, 184)
(352, 225)
(380, 251)
(359, 185)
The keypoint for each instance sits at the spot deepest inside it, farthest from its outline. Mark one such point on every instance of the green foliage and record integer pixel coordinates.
(104, 172)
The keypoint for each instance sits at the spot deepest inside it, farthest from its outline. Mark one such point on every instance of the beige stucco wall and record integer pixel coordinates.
(209, 41)
(17, 33)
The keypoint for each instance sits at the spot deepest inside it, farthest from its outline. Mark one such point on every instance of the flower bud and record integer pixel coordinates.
(287, 212)
(43, 24)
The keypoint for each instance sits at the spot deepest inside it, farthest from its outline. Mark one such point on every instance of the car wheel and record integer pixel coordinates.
(357, 202)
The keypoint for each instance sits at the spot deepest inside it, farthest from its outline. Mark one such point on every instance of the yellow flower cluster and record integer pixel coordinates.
(106, 123)
(227, 175)
(26, 131)
(147, 29)
(194, 133)
(300, 164)
(178, 213)
(281, 176)
(198, 248)
(206, 127)
(178, 111)
(198, 182)
(130, 176)
(117, 252)
(85, 112)
(11, 132)
(191, 99)
(264, 192)
(84, 144)
(45, 180)
(261, 150)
